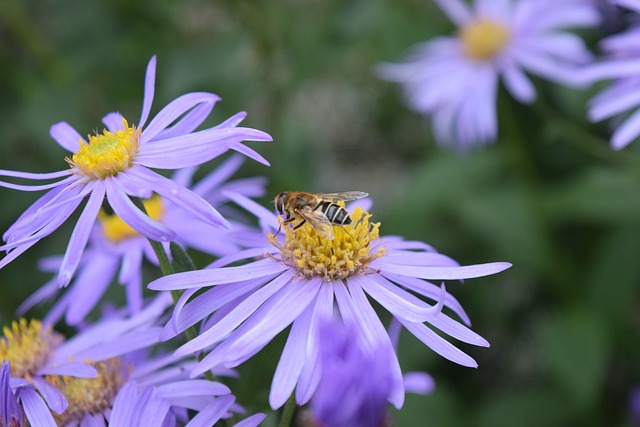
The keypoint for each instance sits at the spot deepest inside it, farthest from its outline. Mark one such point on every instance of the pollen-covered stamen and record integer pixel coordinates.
(27, 345)
(90, 395)
(350, 252)
(116, 230)
(484, 39)
(107, 154)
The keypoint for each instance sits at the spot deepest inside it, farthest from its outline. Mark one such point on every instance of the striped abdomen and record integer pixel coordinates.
(335, 213)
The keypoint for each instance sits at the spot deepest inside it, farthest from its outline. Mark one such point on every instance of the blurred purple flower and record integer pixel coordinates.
(621, 64)
(455, 79)
(297, 279)
(117, 163)
(115, 247)
(355, 382)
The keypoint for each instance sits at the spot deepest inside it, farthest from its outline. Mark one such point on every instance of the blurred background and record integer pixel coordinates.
(550, 196)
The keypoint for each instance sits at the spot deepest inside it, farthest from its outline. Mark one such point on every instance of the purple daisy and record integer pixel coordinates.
(356, 381)
(115, 250)
(299, 279)
(455, 79)
(116, 165)
(621, 99)
(127, 387)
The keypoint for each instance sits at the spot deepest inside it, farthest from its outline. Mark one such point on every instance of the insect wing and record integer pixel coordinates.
(318, 221)
(344, 196)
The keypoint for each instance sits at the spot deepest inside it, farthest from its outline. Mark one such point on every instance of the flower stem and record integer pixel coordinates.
(287, 412)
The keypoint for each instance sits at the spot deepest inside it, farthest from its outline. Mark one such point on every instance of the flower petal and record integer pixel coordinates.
(35, 409)
(443, 273)
(191, 388)
(149, 88)
(212, 413)
(124, 405)
(66, 136)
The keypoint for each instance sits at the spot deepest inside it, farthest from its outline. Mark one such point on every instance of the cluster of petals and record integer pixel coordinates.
(621, 65)
(244, 307)
(105, 260)
(168, 141)
(157, 390)
(459, 92)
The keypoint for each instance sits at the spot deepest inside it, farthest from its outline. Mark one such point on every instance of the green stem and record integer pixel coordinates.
(287, 412)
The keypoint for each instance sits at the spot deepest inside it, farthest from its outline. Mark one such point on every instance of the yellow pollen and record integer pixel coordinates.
(90, 395)
(106, 154)
(350, 252)
(116, 230)
(27, 345)
(484, 39)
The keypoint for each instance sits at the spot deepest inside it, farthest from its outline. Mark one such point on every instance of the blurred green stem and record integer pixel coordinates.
(287, 412)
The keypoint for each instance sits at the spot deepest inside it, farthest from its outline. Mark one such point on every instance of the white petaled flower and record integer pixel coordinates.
(454, 80)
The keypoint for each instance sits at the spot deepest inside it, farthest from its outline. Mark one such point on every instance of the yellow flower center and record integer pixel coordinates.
(27, 345)
(484, 39)
(116, 230)
(90, 395)
(106, 154)
(350, 252)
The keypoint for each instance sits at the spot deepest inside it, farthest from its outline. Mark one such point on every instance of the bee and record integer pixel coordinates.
(320, 210)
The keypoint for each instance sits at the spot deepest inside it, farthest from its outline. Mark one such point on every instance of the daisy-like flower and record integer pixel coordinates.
(455, 79)
(299, 279)
(356, 381)
(126, 387)
(621, 99)
(115, 250)
(11, 414)
(116, 164)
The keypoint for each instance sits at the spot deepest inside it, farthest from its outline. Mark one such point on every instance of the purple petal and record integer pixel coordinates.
(221, 174)
(217, 276)
(310, 375)
(47, 290)
(66, 136)
(54, 398)
(188, 123)
(129, 213)
(124, 405)
(419, 383)
(172, 111)
(80, 236)
(252, 421)
(249, 152)
(442, 273)
(430, 291)
(266, 216)
(438, 344)
(399, 302)
(125, 344)
(149, 87)
(35, 176)
(238, 315)
(155, 411)
(626, 133)
(291, 361)
(456, 10)
(184, 198)
(268, 321)
(20, 187)
(35, 409)
(196, 148)
(113, 122)
(243, 255)
(191, 388)
(457, 330)
(212, 413)
(71, 369)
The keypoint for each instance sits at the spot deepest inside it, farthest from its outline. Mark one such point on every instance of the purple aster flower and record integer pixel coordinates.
(356, 381)
(11, 414)
(455, 79)
(126, 386)
(299, 279)
(621, 99)
(115, 250)
(116, 165)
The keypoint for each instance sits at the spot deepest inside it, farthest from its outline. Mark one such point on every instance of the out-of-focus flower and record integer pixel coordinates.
(621, 99)
(116, 247)
(298, 278)
(455, 79)
(117, 163)
(356, 381)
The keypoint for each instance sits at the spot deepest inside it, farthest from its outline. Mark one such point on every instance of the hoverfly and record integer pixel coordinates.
(319, 210)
